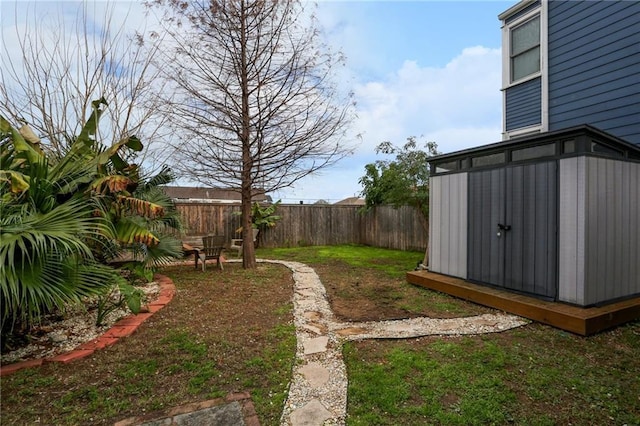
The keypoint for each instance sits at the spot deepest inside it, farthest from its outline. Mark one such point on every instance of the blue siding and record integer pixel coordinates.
(523, 104)
(594, 66)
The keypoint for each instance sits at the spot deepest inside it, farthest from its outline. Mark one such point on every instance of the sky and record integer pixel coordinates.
(429, 69)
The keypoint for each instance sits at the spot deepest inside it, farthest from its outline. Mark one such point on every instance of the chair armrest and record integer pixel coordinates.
(188, 249)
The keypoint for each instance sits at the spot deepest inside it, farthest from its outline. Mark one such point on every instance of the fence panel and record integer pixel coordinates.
(403, 228)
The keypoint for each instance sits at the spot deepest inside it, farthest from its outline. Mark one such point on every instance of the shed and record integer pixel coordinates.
(555, 216)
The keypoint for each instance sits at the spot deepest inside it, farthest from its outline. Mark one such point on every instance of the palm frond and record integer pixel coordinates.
(111, 184)
(140, 207)
(168, 250)
(163, 177)
(129, 232)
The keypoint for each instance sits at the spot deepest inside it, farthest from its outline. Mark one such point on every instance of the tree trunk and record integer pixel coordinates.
(248, 249)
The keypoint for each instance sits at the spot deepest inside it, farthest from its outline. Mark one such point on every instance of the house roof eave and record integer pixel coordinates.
(523, 4)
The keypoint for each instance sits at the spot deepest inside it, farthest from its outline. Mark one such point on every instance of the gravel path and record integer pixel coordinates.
(318, 391)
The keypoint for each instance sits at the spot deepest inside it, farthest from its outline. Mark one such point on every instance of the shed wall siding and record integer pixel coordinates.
(571, 232)
(523, 104)
(612, 229)
(594, 63)
(448, 224)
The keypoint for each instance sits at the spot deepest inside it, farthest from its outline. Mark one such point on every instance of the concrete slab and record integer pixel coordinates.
(315, 373)
(351, 331)
(306, 293)
(313, 315)
(223, 415)
(233, 410)
(316, 345)
(312, 414)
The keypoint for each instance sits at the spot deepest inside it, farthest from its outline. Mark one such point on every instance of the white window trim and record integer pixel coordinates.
(542, 74)
(521, 131)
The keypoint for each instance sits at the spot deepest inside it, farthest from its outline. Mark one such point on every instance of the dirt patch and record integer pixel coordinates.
(366, 294)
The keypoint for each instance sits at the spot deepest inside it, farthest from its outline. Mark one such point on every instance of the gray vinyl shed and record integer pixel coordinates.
(555, 216)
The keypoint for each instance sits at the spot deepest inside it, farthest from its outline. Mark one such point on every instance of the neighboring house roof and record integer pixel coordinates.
(352, 201)
(210, 195)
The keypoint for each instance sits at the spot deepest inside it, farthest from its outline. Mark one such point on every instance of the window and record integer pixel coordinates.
(525, 49)
(605, 149)
(446, 167)
(525, 85)
(488, 160)
(534, 152)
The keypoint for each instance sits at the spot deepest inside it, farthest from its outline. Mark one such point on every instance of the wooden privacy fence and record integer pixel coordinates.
(303, 225)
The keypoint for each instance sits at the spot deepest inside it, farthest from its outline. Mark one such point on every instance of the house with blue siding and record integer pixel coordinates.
(546, 222)
(568, 63)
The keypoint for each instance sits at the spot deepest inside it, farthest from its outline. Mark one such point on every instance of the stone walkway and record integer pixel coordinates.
(318, 391)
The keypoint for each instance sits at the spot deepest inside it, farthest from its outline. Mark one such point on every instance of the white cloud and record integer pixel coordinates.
(459, 106)
(418, 100)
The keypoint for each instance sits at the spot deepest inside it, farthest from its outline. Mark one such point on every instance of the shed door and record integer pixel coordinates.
(512, 228)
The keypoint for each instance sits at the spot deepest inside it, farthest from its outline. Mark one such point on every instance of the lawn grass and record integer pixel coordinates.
(533, 375)
(224, 331)
(394, 263)
(231, 331)
(367, 283)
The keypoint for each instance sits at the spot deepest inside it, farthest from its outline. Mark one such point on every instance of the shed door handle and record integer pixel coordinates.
(504, 227)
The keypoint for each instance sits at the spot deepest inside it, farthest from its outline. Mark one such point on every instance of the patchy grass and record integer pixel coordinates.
(367, 283)
(232, 331)
(534, 375)
(394, 263)
(223, 332)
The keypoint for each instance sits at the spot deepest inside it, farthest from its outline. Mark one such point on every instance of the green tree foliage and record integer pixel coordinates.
(264, 216)
(403, 181)
(63, 219)
(47, 226)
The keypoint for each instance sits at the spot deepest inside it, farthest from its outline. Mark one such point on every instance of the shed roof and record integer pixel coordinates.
(570, 142)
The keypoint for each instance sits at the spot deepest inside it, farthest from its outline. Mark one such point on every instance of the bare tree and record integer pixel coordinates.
(54, 67)
(254, 101)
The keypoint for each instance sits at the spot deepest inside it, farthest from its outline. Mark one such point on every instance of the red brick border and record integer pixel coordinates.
(125, 327)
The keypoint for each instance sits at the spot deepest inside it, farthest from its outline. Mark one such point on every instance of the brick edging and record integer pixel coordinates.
(124, 327)
(243, 398)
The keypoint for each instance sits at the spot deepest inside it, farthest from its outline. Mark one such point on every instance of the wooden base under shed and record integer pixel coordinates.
(583, 321)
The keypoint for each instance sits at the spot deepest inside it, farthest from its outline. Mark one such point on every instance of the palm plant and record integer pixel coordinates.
(45, 227)
(145, 221)
(63, 220)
